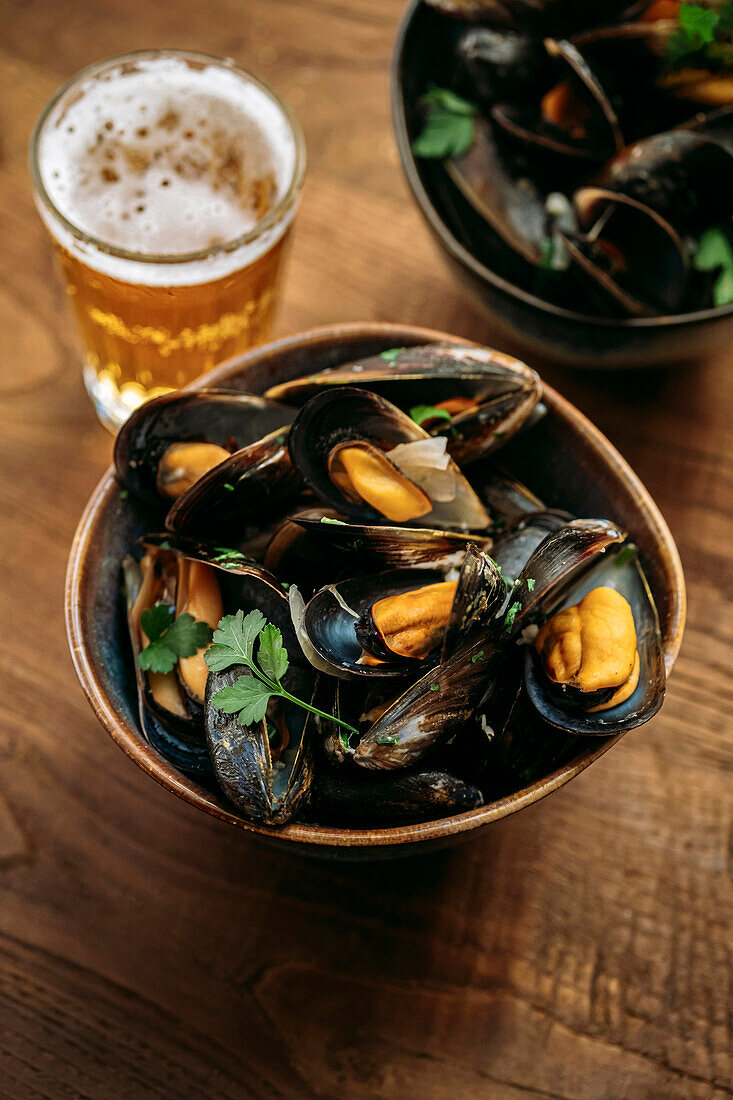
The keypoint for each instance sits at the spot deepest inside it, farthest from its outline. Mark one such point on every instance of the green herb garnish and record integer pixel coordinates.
(530, 583)
(714, 252)
(170, 638)
(387, 739)
(477, 657)
(228, 486)
(499, 570)
(227, 557)
(335, 522)
(700, 36)
(391, 354)
(124, 494)
(421, 413)
(511, 616)
(435, 687)
(164, 545)
(626, 553)
(448, 127)
(248, 696)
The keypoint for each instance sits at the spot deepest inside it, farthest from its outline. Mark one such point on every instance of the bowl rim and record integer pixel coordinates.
(129, 738)
(460, 253)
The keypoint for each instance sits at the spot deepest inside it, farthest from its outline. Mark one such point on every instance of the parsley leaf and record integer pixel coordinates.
(335, 522)
(448, 127)
(247, 696)
(420, 413)
(477, 657)
(272, 655)
(435, 687)
(698, 22)
(714, 251)
(169, 638)
(511, 616)
(156, 620)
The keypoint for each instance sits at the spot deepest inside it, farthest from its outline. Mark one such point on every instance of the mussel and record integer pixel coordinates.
(250, 488)
(477, 398)
(597, 666)
(364, 457)
(355, 798)
(265, 768)
(637, 262)
(395, 624)
(168, 443)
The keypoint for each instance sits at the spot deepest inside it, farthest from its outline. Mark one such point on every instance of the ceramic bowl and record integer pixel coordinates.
(563, 458)
(422, 55)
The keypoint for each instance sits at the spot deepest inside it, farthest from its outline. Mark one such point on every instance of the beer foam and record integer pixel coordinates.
(166, 156)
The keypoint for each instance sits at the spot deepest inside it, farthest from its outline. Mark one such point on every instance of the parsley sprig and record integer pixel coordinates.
(702, 31)
(448, 127)
(234, 644)
(170, 638)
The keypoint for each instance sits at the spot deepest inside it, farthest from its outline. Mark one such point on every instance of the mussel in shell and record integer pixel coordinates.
(478, 398)
(355, 798)
(596, 666)
(637, 262)
(169, 443)
(364, 457)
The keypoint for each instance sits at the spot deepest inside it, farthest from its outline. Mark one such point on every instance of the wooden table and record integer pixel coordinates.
(578, 950)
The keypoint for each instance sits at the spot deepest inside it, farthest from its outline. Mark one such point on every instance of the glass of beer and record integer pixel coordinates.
(168, 181)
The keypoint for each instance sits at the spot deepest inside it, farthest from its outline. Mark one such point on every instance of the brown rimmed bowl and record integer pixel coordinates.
(422, 54)
(579, 470)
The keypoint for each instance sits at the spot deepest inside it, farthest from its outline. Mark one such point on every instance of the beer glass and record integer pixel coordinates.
(168, 181)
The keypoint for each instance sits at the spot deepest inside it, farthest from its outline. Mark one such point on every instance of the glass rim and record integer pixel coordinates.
(270, 220)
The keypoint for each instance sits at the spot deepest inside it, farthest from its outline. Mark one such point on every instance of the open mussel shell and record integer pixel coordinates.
(221, 421)
(169, 721)
(385, 547)
(333, 613)
(347, 419)
(597, 139)
(225, 558)
(624, 574)
(634, 257)
(502, 194)
(256, 482)
(512, 552)
(485, 396)
(341, 625)
(268, 790)
(683, 175)
(354, 798)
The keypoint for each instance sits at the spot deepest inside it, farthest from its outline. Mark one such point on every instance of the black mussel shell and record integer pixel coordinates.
(267, 791)
(524, 122)
(505, 391)
(512, 552)
(333, 614)
(384, 547)
(231, 420)
(623, 572)
(633, 255)
(500, 64)
(507, 500)
(685, 176)
(257, 482)
(501, 193)
(345, 415)
(355, 798)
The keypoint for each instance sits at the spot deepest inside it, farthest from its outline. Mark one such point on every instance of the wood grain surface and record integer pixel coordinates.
(578, 951)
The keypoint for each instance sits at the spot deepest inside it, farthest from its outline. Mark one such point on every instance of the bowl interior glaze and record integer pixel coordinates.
(564, 458)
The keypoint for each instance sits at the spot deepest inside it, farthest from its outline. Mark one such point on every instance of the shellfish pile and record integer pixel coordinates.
(427, 615)
(592, 160)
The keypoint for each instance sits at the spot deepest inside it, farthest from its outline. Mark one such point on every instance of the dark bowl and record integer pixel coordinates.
(422, 54)
(579, 469)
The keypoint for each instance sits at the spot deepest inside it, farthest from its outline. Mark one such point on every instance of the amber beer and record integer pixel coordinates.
(168, 182)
